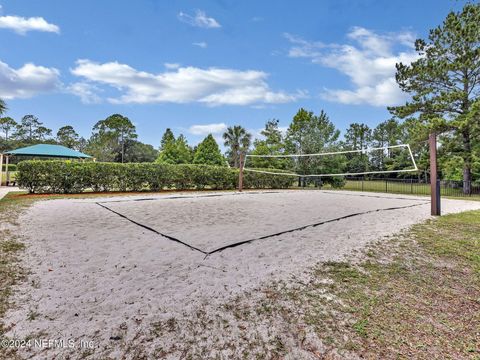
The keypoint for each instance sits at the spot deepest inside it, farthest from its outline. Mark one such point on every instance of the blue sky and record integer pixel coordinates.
(198, 66)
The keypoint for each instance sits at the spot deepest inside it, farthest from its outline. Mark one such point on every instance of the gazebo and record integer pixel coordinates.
(41, 150)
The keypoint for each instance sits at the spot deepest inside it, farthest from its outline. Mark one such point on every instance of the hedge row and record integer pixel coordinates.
(75, 177)
(11, 167)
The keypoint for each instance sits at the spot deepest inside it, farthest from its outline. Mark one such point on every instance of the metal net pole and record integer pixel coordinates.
(240, 174)
(434, 183)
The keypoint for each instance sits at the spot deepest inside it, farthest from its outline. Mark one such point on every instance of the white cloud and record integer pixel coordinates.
(257, 92)
(27, 81)
(207, 129)
(211, 86)
(22, 25)
(383, 93)
(171, 66)
(201, 44)
(88, 93)
(304, 48)
(221, 143)
(200, 19)
(283, 129)
(369, 63)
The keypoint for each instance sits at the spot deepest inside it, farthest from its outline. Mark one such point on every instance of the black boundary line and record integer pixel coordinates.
(339, 192)
(331, 192)
(207, 253)
(307, 226)
(152, 230)
(188, 197)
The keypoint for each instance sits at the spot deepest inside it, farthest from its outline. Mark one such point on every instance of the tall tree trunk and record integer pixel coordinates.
(123, 147)
(236, 156)
(467, 146)
(467, 163)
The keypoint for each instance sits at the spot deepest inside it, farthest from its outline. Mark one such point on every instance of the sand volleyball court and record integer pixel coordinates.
(106, 269)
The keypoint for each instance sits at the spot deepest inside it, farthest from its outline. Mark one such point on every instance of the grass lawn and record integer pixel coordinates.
(11, 271)
(398, 187)
(418, 296)
(393, 187)
(414, 296)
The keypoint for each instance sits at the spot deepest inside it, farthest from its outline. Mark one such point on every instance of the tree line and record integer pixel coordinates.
(444, 88)
(114, 139)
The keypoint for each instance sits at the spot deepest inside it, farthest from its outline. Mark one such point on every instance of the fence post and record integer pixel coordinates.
(1, 168)
(411, 186)
(386, 185)
(438, 194)
(362, 183)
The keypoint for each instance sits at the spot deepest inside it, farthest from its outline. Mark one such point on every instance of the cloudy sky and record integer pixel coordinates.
(199, 66)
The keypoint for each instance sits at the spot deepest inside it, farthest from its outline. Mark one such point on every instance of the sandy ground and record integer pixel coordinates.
(100, 270)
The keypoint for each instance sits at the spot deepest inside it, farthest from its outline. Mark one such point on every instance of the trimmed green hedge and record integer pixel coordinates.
(74, 177)
(11, 167)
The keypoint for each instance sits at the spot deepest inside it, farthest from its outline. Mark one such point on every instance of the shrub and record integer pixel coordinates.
(74, 177)
(337, 182)
(256, 180)
(11, 167)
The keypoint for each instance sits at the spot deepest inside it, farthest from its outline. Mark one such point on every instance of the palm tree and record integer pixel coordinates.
(238, 140)
(3, 107)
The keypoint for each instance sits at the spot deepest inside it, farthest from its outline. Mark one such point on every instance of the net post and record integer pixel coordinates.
(240, 174)
(7, 174)
(1, 168)
(434, 182)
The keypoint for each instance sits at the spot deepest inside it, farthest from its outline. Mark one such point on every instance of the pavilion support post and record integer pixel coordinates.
(240, 174)
(434, 181)
(7, 174)
(1, 168)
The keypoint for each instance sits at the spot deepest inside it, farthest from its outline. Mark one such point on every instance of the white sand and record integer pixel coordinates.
(95, 274)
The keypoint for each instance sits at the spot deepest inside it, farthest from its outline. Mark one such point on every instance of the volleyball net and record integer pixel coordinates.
(368, 161)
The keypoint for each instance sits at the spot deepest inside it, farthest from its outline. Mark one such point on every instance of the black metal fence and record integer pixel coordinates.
(412, 186)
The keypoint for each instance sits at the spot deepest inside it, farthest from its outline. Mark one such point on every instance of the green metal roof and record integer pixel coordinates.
(48, 150)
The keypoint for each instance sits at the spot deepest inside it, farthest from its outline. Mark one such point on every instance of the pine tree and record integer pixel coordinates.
(444, 82)
(167, 138)
(67, 136)
(117, 129)
(3, 107)
(175, 151)
(308, 134)
(272, 144)
(7, 124)
(357, 137)
(208, 152)
(184, 152)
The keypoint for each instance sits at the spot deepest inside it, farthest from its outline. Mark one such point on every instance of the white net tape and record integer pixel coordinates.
(370, 155)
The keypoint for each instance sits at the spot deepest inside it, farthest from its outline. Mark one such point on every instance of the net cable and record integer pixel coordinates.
(322, 154)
